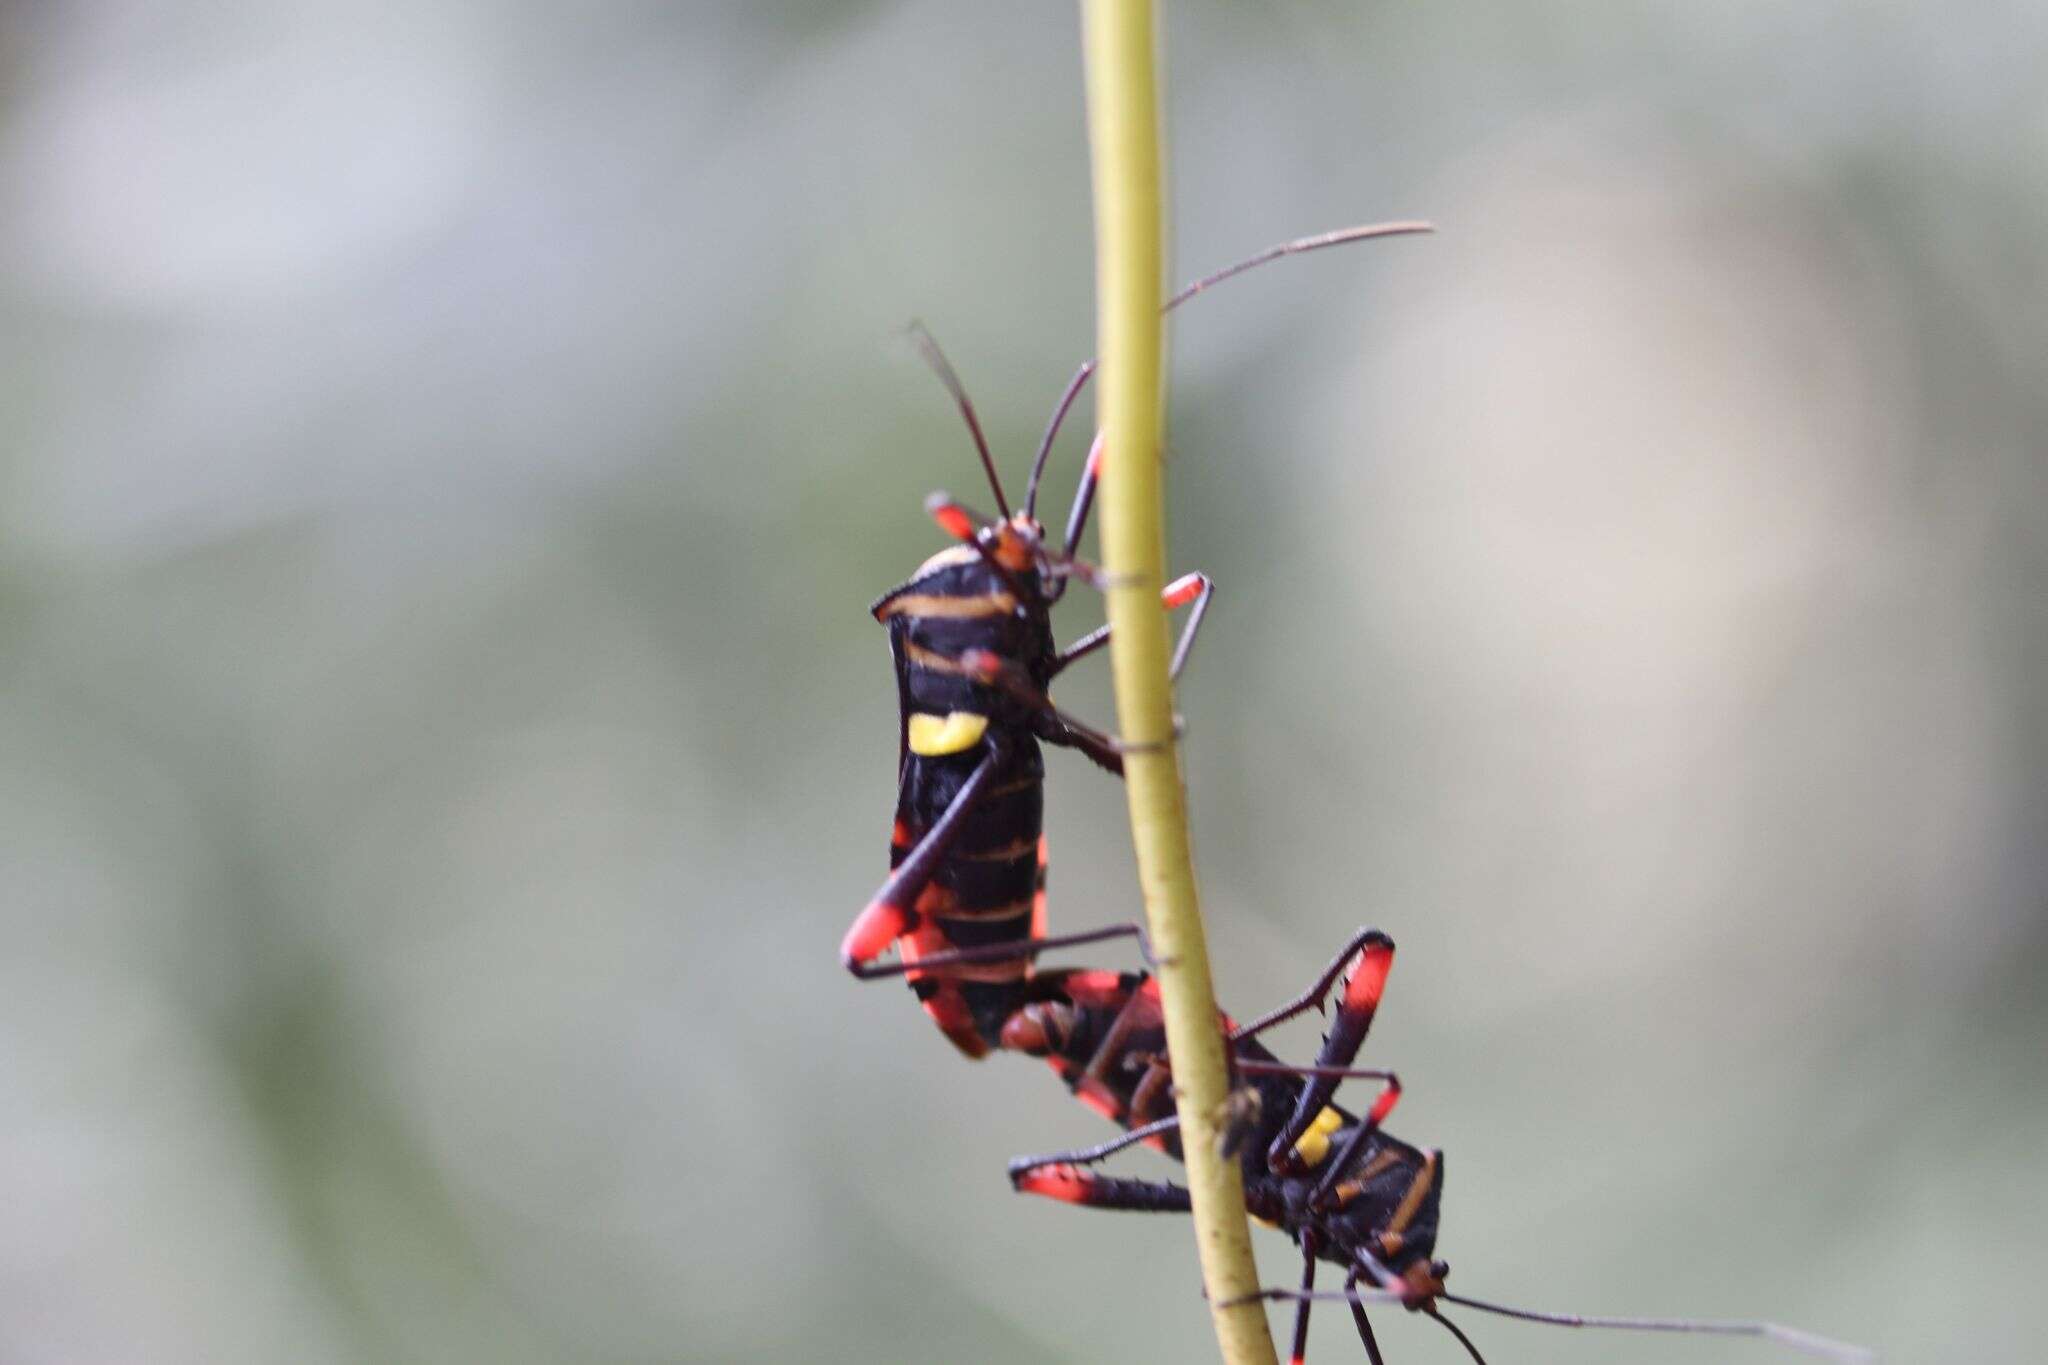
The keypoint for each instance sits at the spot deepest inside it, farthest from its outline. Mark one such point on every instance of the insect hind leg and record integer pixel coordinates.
(891, 913)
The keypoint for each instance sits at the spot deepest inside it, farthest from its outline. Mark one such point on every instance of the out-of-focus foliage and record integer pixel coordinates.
(449, 448)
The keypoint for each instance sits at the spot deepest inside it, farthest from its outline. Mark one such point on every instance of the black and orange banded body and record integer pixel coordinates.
(970, 635)
(1103, 1033)
(972, 641)
(989, 888)
(1344, 1189)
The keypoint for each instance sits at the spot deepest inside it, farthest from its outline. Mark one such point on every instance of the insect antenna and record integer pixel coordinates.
(1362, 1322)
(936, 358)
(1272, 253)
(1463, 1340)
(1768, 1331)
(1052, 430)
(1295, 248)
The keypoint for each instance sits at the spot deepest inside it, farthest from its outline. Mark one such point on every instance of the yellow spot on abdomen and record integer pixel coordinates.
(1314, 1145)
(932, 736)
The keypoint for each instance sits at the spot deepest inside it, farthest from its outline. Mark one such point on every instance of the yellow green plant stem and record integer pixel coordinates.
(1119, 45)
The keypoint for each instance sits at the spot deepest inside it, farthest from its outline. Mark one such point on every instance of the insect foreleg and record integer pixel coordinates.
(1196, 587)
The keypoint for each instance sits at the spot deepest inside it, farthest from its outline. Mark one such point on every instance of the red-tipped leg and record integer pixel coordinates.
(1062, 1176)
(1184, 590)
(1329, 1123)
(1369, 979)
(1084, 496)
(953, 517)
(888, 915)
(1071, 1185)
(1370, 954)
(1308, 1285)
(1312, 998)
(1196, 587)
(878, 926)
(1353, 1150)
(1064, 1183)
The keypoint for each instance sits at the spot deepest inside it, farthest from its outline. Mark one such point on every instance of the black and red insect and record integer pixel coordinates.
(1341, 1186)
(1345, 1190)
(970, 634)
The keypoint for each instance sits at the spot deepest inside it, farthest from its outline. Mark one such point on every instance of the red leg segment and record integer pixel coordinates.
(1196, 587)
(891, 914)
(1355, 1009)
(1308, 1285)
(1072, 1185)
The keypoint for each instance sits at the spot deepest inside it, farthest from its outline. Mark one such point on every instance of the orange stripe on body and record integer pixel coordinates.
(1412, 1201)
(921, 657)
(966, 607)
(1009, 852)
(1010, 911)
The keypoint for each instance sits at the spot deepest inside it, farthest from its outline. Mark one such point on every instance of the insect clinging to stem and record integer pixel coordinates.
(971, 638)
(1345, 1190)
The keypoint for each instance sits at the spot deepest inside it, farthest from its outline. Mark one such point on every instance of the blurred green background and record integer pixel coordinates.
(450, 448)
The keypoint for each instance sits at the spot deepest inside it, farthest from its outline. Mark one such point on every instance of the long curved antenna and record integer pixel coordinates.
(1769, 1331)
(1463, 1340)
(936, 358)
(1296, 248)
(1271, 253)
(1052, 430)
